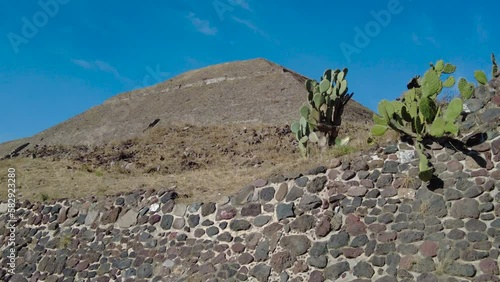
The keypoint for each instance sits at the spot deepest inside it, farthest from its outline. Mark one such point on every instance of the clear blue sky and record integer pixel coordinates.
(61, 57)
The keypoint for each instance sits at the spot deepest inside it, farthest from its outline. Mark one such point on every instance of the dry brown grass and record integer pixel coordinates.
(226, 157)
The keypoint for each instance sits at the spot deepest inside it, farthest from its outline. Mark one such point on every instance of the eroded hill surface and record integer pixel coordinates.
(244, 92)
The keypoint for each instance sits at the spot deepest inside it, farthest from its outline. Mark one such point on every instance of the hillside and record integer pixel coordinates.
(254, 91)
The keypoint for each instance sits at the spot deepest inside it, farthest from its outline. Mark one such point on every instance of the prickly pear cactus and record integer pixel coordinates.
(419, 116)
(321, 117)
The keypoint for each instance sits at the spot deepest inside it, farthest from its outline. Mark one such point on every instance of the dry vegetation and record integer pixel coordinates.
(201, 162)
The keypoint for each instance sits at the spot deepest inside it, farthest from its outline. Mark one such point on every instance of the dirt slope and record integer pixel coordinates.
(252, 91)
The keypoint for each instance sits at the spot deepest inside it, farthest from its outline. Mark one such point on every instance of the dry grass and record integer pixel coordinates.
(200, 162)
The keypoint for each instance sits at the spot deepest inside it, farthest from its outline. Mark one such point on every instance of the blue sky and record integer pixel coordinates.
(62, 57)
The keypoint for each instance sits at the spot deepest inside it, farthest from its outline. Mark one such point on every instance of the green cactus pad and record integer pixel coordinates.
(295, 127)
(426, 172)
(303, 139)
(304, 111)
(452, 128)
(341, 75)
(480, 76)
(453, 110)
(313, 137)
(310, 84)
(328, 75)
(318, 100)
(324, 85)
(385, 109)
(379, 130)
(449, 82)
(303, 125)
(341, 141)
(379, 120)
(466, 88)
(439, 66)
(449, 68)
(428, 108)
(303, 150)
(431, 84)
(314, 114)
(343, 87)
(437, 127)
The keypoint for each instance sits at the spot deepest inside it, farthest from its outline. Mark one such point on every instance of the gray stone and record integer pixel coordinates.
(239, 225)
(91, 217)
(465, 208)
(490, 115)
(285, 211)
(424, 265)
(410, 236)
(179, 210)
(294, 194)
(359, 241)
(261, 272)
(472, 105)
(252, 209)
(405, 156)
(296, 244)
(267, 194)
(128, 219)
(462, 270)
(179, 223)
(357, 191)
(390, 167)
(261, 220)
(302, 181)
(475, 225)
(338, 240)
(318, 249)
(363, 269)
(390, 149)
(334, 271)
(208, 209)
(212, 231)
(303, 223)
(122, 263)
(282, 192)
(309, 202)
(194, 207)
(262, 251)
(145, 271)
(318, 262)
(166, 221)
(193, 220)
(225, 237)
(170, 195)
(452, 194)
(243, 195)
(317, 184)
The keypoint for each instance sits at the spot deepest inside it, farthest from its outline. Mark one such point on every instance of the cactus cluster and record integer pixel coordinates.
(419, 116)
(321, 117)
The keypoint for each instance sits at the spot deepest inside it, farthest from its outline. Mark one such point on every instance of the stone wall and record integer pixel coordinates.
(368, 219)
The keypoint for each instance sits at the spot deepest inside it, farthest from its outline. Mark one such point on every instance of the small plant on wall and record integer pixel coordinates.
(321, 118)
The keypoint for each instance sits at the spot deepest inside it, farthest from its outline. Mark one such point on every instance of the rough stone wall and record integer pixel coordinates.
(369, 219)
